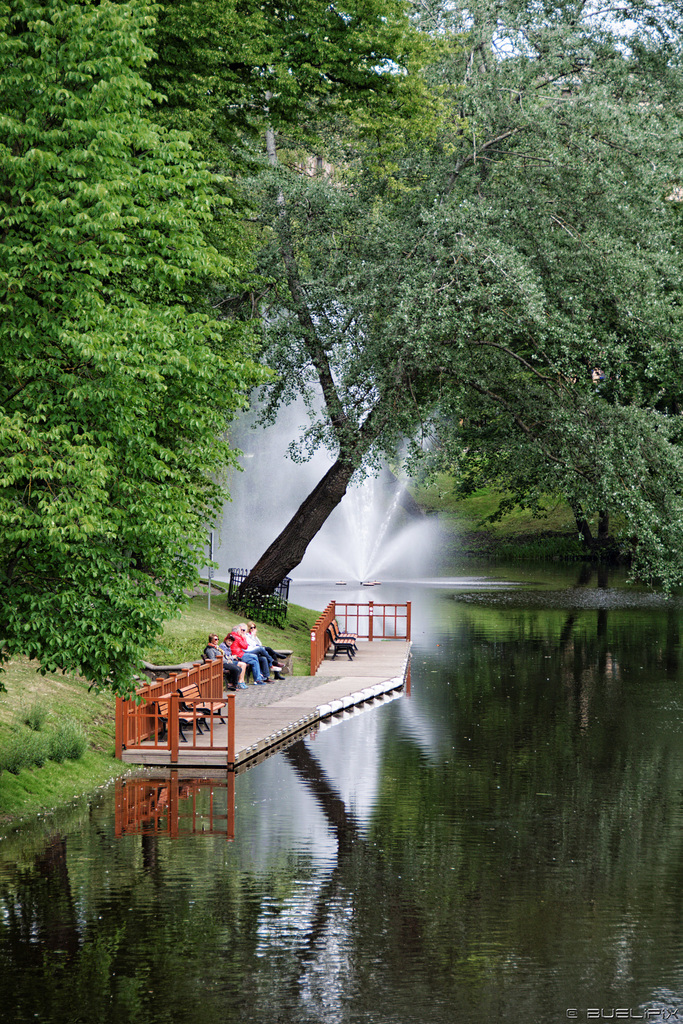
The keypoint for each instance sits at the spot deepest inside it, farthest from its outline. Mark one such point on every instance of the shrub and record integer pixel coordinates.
(68, 741)
(35, 717)
(26, 750)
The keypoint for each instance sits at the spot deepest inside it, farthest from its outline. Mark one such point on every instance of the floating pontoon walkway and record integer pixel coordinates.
(270, 717)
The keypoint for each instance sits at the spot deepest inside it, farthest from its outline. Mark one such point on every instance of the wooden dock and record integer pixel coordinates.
(270, 717)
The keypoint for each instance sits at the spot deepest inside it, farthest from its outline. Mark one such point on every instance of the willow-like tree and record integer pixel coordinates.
(575, 265)
(469, 278)
(116, 382)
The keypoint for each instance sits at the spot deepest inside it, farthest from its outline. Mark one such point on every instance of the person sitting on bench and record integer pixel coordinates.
(261, 649)
(239, 647)
(233, 669)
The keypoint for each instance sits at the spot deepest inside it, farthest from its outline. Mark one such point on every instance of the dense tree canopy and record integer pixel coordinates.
(116, 382)
(438, 220)
(462, 296)
(570, 262)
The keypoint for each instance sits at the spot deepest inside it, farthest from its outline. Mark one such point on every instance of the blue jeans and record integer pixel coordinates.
(264, 660)
(252, 661)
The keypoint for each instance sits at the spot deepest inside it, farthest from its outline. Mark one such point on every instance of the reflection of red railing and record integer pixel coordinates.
(151, 720)
(369, 621)
(176, 806)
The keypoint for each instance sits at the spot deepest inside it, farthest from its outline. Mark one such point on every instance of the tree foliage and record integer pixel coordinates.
(230, 68)
(462, 297)
(117, 382)
(567, 260)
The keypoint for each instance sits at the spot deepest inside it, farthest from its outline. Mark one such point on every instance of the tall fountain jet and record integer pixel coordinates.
(376, 533)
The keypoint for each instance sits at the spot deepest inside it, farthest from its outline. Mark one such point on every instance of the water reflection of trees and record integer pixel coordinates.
(543, 833)
(566, 775)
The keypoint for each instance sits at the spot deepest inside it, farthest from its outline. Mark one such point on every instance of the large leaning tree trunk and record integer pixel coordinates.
(289, 547)
(319, 337)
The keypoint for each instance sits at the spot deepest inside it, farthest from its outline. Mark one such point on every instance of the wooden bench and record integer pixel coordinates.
(191, 692)
(340, 637)
(345, 646)
(185, 718)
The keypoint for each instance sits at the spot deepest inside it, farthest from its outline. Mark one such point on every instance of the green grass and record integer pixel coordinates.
(36, 790)
(518, 536)
(468, 514)
(185, 638)
(48, 716)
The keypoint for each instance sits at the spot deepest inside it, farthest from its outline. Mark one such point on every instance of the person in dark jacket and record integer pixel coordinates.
(233, 670)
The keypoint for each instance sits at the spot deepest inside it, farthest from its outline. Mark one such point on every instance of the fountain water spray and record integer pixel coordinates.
(369, 535)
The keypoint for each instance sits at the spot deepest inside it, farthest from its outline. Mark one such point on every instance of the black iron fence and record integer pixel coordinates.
(270, 608)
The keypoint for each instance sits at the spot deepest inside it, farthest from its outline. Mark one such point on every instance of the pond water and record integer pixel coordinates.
(505, 843)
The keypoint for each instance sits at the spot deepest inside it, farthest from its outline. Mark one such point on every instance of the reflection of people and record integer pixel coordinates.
(233, 670)
(239, 646)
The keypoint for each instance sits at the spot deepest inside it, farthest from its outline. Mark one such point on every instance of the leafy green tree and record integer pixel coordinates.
(570, 174)
(117, 381)
(229, 69)
(254, 84)
(462, 298)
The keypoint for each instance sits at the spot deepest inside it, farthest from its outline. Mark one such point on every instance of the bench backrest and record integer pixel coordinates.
(339, 641)
(191, 690)
(163, 707)
(337, 635)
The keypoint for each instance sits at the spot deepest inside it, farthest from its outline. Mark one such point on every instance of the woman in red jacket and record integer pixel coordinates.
(238, 647)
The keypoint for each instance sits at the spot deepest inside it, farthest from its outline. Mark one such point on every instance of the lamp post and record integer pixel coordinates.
(210, 564)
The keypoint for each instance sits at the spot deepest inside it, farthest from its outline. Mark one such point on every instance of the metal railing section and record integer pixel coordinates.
(270, 608)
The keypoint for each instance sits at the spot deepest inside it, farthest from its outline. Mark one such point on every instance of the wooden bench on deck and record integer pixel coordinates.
(341, 645)
(186, 719)
(341, 638)
(191, 692)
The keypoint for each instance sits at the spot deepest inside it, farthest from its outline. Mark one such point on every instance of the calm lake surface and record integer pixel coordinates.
(504, 844)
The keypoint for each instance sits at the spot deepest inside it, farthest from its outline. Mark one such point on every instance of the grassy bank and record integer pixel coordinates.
(55, 715)
(34, 712)
(519, 535)
(185, 638)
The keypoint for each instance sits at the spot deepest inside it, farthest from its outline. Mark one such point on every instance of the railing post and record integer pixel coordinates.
(408, 620)
(371, 605)
(231, 732)
(173, 728)
(230, 824)
(118, 750)
(173, 802)
(314, 653)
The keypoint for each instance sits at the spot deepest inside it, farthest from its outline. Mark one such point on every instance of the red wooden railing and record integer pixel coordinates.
(139, 727)
(369, 621)
(320, 641)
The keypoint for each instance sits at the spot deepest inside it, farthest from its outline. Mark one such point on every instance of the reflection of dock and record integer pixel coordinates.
(271, 717)
(175, 804)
